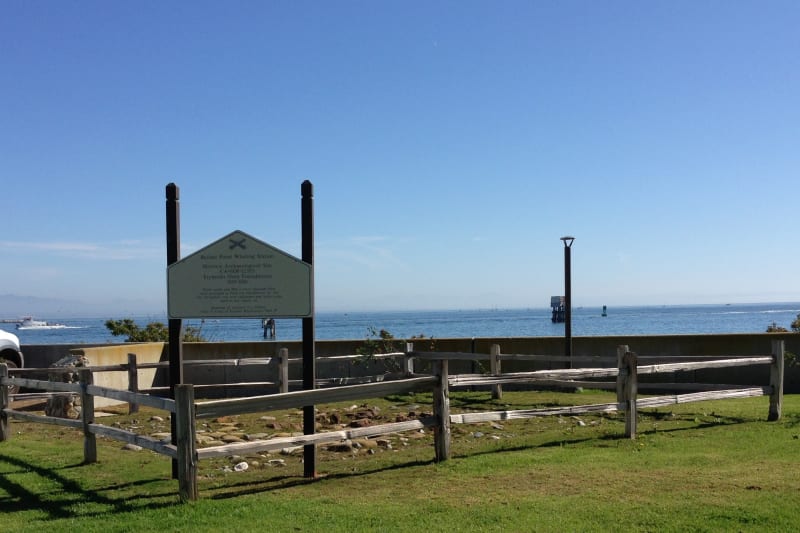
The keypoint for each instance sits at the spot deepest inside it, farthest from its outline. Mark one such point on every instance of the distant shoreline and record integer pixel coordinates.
(529, 322)
(162, 316)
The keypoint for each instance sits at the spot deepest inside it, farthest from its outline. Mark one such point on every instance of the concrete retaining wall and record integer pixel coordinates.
(117, 354)
(678, 346)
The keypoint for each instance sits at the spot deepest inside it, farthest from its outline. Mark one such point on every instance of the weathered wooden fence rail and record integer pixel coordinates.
(281, 364)
(186, 410)
(626, 385)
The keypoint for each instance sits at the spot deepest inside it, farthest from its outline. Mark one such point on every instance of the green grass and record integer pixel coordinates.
(709, 466)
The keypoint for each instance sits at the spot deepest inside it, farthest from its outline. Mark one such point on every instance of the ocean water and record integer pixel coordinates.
(586, 321)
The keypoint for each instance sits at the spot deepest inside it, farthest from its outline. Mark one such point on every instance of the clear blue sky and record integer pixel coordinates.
(450, 145)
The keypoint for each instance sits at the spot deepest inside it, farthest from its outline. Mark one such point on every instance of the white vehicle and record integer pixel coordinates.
(10, 352)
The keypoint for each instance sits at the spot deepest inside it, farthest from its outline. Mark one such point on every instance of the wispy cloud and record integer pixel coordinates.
(123, 250)
(50, 246)
(368, 251)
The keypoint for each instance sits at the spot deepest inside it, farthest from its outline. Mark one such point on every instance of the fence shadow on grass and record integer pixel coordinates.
(288, 481)
(62, 503)
(720, 420)
(689, 417)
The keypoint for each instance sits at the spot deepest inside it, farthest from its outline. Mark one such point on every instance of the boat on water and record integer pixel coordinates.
(28, 322)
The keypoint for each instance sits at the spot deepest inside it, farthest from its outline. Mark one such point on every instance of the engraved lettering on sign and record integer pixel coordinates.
(240, 276)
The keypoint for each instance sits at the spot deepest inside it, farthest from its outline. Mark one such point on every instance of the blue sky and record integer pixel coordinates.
(450, 144)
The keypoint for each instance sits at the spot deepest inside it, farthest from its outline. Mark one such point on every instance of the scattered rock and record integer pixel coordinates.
(365, 443)
(327, 419)
(132, 448)
(63, 370)
(291, 450)
(62, 406)
(341, 447)
(156, 418)
(241, 467)
(369, 413)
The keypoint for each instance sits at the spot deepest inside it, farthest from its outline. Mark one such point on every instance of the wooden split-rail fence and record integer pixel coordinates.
(186, 410)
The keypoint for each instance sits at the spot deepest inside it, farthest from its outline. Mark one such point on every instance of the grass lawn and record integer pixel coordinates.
(708, 466)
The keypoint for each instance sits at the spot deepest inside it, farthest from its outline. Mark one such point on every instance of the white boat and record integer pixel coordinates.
(28, 322)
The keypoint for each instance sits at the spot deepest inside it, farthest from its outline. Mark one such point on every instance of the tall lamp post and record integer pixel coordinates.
(568, 297)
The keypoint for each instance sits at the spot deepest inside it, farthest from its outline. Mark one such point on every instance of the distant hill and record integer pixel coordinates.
(13, 306)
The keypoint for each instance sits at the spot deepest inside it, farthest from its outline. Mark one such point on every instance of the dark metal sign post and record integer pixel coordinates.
(309, 355)
(175, 324)
(568, 240)
(275, 285)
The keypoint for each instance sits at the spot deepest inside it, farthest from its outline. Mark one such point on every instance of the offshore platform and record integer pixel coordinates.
(559, 306)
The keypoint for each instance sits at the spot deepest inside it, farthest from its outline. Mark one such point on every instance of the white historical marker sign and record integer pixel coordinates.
(239, 276)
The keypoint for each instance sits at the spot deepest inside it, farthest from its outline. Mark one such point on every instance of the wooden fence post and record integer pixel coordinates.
(5, 402)
(776, 381)
(408, 362)
(87, 416)
(283, 370)
(494, 352)
(629, 393)
(185, 442)
(441, 410)
(133, 381)
(621, 351)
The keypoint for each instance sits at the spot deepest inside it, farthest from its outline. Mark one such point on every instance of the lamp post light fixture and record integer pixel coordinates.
(568, 297)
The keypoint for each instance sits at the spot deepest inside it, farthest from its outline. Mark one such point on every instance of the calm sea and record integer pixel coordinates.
(650, 320)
